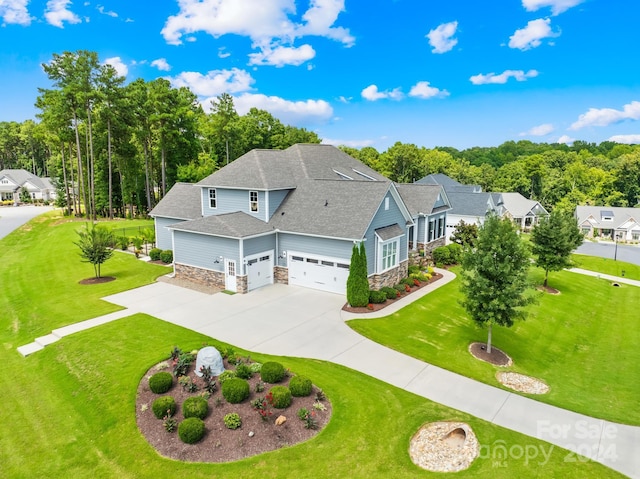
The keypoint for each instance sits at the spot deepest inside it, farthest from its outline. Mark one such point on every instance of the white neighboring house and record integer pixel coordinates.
(605, 221)
(524, 212)
(12, 182)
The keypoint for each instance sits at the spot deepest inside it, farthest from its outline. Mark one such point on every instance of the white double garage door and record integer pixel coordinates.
(318, 272)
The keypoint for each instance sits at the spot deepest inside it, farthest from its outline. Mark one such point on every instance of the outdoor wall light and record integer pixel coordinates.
(283, 255)
(218, 259)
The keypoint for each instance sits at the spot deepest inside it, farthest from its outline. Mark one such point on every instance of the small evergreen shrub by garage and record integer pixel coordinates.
(390, 292)
(161, 382)
(272, 372)
(377, 297)
(279, 397)
(243, 371)
(164, 406)
(195, 406)
(154, 254)
(235, 390)
(191, 430)
(300, 386)
(166, 256)
(232, 420)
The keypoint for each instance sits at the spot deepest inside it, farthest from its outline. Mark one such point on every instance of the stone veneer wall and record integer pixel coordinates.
(241, 284)
(389, 278)
(429, 247)
(281, 275)
(201, 276)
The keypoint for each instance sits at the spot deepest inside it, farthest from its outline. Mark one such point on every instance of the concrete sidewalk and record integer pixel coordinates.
(294, 321)
(608, 277)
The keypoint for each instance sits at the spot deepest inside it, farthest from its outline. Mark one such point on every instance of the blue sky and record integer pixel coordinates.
(456, 73)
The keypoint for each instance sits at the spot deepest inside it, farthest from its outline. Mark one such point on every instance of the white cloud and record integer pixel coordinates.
(350, 143)
(422, 89)
(288, 112)
(344, 99)
(110, 13)
(57, 13)
(441, 38)
(519, 75)
(557, 6)
(161, 64)
(540, 130)
(15, 12)
(372, 93)
(281, 56)
(269, 25)
(566, 139)
(627, 139)
(119, 66)
(607, 116)
(531, 35)
(222, 53)
(215, 82)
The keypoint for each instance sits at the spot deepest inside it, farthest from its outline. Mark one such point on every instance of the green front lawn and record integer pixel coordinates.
(583, 342)
(607, 266)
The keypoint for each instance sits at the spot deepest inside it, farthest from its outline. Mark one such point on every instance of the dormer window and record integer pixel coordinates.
(253, 201)
(213, 202)
(606, 215)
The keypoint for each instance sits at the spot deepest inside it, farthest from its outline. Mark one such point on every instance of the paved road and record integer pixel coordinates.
(12, 217)
(629, 254)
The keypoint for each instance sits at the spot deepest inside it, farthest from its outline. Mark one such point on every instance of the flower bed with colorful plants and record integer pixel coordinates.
(249, 409)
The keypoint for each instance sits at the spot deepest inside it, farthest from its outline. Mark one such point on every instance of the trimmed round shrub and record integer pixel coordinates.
(377, 297)
(232, 420)
(191, 430)
(227, 374)
(272, 372)
(195, 406)
(164, 405)
(280, 397)
(166, 256)
(390, 292)
(235, 390)
(161, 382)
(255, 367)
(300, 386)
(243, 371)
(154, 254)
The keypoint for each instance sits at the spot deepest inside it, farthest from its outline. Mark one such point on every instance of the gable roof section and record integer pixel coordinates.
(519, 206)
(422, 198)
(182, 202)
(20, 177)
(228, 225)
(389, 232)
(438, 179)
(284, 169)
(594, 215)
(477, 205)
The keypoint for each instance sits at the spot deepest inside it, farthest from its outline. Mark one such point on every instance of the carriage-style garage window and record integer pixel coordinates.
(253, 201)
(213, 202)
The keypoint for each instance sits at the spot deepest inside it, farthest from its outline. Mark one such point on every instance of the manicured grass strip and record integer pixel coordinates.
(40, 270)
(69, 411)
(607, 266)
(582, 342)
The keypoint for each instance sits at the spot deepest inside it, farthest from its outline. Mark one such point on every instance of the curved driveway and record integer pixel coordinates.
(12, 217)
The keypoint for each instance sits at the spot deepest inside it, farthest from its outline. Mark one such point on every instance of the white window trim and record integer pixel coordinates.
(381, 261)
(251, 202)
(215, 198)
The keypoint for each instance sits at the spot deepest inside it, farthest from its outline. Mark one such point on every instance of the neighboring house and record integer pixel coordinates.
(522, 211)
(13, 181)
(607, 221)
(292, 216)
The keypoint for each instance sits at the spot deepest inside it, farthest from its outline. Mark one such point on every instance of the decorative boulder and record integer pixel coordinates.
(209, 356)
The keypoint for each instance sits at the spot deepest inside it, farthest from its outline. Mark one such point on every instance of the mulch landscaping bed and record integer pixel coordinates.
(221, 444)
(102, 279)
(377, 307)
(497, 357)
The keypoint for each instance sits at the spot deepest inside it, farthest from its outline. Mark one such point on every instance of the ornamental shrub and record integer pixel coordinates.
(167, 256)
(232, 420)
(191, 430)
(441, 255)
(377, 297)
(391, 293)
(195, 406)
(357, 282)
(225, 375)
(235, 390)
(162, 405)
(154, 254)
(280, 397)
(455, 253)
(161, 382)
(243, 371)
(407, 281)
(399, 287)
(413, 269)
(300, 386)
(255, 367)
(272, 372)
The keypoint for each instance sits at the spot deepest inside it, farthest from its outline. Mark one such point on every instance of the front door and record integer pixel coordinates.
(230, 275)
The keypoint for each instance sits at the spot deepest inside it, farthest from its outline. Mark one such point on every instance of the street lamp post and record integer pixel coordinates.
(615, 251)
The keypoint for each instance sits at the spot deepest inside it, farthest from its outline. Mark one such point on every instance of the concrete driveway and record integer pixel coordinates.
(12, 217)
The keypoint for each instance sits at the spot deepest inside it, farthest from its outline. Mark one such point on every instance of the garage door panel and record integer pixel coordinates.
(259, 270)
(325, 274)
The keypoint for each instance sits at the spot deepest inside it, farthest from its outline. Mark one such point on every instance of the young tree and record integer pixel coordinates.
(554, 239)
(95, 246)
(357, 282)
(494, 276)
(465, 234)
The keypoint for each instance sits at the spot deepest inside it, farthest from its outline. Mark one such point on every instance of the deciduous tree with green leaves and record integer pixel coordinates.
(95, 245)
(553, 240)
(494, 276)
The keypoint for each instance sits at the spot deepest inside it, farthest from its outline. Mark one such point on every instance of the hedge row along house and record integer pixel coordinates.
(292, 216)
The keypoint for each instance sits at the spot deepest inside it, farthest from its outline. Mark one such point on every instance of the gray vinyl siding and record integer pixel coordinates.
(259, 244)
(163, 235)
(275, 200)
(201, 250)
(421, 223)
(439, 202)
(381, 219)
(230, 201)
(333, 248)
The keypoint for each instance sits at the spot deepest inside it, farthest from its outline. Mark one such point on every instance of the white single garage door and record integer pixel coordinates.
(317, 272)
(259, 270)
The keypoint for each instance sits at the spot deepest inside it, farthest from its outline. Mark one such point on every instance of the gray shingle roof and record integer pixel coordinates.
(183, 202)
(284, 169)
(620, 215)
(469, 204)
(419, 198)
(389, 232)
(333, 208)
(20, 177)
(231, 225)
(518, 205)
